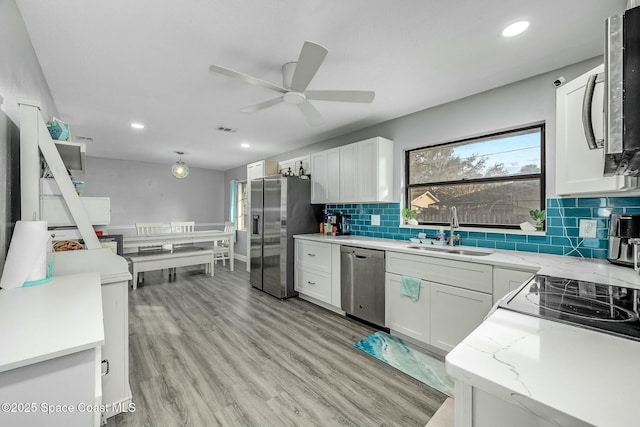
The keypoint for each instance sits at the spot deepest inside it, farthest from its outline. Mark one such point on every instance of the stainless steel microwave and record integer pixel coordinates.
(622, 105)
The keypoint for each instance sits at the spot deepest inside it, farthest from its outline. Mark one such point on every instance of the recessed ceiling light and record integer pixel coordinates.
(137, 125)
(515, 29)
(245, 145)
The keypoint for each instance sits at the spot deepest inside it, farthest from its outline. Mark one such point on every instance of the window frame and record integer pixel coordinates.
(240, 202)
(542, 175)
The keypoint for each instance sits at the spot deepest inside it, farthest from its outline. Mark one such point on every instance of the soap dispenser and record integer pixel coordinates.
(441, 235)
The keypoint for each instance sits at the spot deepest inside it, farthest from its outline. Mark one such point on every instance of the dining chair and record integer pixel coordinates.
(221, 249)
(183, 226)
(142, 229)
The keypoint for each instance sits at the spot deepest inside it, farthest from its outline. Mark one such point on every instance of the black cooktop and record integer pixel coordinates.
(605, 308)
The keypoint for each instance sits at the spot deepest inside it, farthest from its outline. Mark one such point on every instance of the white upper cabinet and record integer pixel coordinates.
(261, 169)
(354, 173)
(325, 178)
(294, 164)
(579, 169)
(349, 173)
(375, 170)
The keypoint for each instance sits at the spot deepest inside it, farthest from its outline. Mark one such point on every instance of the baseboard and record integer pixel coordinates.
(239, 257)
(322, 304)
(427, 347)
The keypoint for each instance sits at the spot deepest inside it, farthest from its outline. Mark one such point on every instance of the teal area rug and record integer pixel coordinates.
(395, 352)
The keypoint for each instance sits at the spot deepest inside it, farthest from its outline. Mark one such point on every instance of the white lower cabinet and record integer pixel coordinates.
(403, 315)
(317, 272)
(455, 296)
(314, 284)
(455, 313)
(505, 280)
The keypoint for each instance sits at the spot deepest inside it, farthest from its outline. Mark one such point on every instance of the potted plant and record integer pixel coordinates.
(538, 216)
(409, 215)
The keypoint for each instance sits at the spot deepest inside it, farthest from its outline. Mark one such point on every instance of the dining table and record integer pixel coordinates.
(202, 236)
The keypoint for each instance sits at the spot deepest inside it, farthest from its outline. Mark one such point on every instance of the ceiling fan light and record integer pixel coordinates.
(180, 169)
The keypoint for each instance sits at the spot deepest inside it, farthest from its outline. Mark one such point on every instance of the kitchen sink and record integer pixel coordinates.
(450, 250)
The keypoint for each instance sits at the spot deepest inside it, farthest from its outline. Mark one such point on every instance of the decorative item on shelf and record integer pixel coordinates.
(58, 130)
(301, 170)
(409, 216)
(180, 169)
(538, 216)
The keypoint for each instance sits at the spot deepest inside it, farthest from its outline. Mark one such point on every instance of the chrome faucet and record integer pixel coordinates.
(453, 220)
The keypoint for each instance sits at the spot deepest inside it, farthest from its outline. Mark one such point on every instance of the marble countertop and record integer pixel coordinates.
(111, 267)
(588, 375)
(587, 269)
(54, 319)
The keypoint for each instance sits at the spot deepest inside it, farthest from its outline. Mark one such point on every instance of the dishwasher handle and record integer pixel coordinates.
(360, 256)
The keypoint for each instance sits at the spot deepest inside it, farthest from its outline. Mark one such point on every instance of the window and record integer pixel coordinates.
(493, 180)
(241, 212)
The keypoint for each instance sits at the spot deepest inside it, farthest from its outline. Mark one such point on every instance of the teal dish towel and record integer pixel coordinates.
(410, 286)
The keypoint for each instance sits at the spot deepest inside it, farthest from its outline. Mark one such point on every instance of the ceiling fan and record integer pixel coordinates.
(296, 76)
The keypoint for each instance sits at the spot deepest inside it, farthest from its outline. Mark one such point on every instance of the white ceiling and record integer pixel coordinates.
(109, 63)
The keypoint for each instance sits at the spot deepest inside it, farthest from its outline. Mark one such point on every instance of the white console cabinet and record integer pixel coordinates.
(114, 279)
(51, 337)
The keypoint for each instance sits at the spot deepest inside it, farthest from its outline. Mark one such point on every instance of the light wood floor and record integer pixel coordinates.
(216, 352)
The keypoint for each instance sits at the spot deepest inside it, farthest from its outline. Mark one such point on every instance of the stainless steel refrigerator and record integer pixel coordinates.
(280, 208)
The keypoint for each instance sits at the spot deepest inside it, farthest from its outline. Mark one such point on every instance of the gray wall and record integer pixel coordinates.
(147, 192)
(528, 101)
(20, 77)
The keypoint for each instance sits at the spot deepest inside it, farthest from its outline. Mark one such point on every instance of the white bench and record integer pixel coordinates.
(182, 258)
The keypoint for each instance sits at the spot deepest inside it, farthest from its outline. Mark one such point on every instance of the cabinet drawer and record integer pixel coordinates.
(463, 274)
(313, 284)
(313, 255)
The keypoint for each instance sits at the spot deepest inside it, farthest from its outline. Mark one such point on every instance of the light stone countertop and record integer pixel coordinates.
(594, 270)
(588, 375)
(51, 320)
(536, 363)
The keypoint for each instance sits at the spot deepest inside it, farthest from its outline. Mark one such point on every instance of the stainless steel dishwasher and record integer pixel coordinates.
(362, 283)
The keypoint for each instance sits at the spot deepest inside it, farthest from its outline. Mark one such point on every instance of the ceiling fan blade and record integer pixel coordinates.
(365, 96)
(246, 78)
(311, 57)
(313, 116)
(262, 105)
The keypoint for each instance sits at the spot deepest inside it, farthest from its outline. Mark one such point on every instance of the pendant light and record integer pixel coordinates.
(180, 169)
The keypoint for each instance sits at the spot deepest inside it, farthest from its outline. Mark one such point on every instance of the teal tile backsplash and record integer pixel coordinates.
(562, 226)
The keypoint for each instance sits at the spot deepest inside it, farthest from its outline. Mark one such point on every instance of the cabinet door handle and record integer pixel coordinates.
(310, 254)
(311, 283)
(587, 102)
(107, 371)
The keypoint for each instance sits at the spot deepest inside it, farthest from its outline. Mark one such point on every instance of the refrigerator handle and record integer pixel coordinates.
(255, 224)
